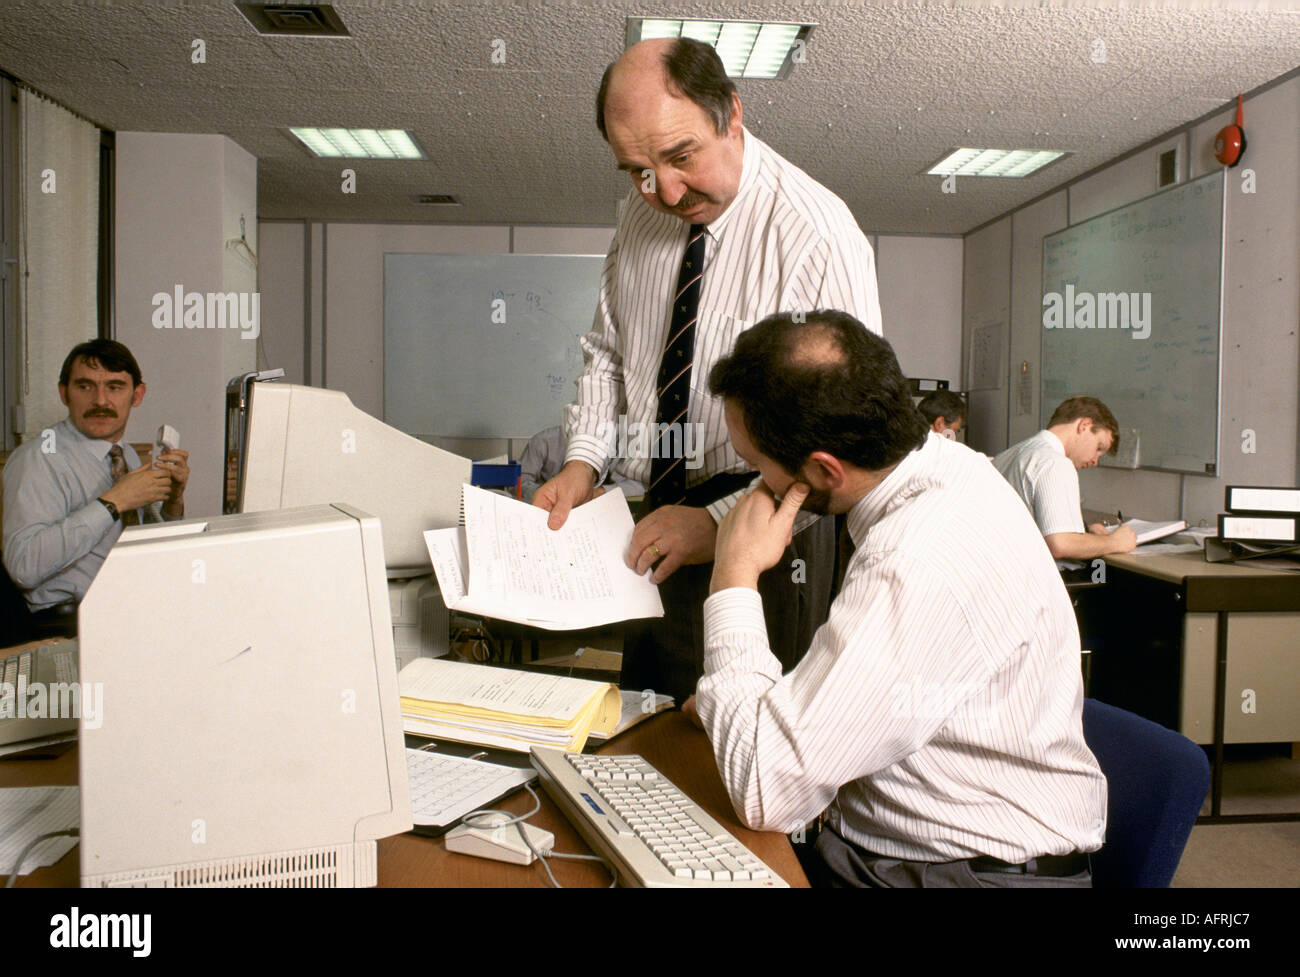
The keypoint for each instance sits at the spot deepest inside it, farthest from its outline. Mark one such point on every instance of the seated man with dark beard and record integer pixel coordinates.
(936, 717)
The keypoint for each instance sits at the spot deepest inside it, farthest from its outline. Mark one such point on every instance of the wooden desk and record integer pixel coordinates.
(1184, 638)
(669, 741)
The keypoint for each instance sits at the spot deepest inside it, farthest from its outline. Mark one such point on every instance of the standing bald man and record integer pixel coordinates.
(718, 233)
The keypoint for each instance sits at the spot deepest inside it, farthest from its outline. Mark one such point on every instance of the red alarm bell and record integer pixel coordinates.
(1230, 143)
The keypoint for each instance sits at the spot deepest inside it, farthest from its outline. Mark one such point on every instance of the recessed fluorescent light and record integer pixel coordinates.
(359, 143)
(994, 162)
(748, 49)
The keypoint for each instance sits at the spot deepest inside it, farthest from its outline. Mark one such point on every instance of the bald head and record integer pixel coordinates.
(815, 347)
(641, 69)
(673, 122)
(672, 66)
(819, 381)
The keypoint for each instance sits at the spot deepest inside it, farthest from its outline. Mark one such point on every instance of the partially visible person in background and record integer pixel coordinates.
(544, 457)
(944, 411)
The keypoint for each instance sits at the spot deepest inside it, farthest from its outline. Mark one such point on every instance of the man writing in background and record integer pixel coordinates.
(720, 232)
(68, 493)
(937, 715)
(1044, 472)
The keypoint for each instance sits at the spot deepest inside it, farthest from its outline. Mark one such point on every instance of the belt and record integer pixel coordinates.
(1052, 866)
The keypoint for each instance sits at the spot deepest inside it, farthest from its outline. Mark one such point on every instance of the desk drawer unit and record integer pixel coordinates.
(1262, 692)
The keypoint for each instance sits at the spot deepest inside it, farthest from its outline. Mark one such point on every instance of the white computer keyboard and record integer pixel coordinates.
(51, 667)
(656, 835)
(446, 788)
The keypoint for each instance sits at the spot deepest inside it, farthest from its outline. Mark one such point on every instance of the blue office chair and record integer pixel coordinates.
(1156, 782)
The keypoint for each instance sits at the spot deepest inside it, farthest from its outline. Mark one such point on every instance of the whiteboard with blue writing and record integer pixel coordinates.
(484, 345)
(1158, 372)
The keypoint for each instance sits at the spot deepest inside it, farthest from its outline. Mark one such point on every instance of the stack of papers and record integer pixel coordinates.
(507, 564)
(501, 707)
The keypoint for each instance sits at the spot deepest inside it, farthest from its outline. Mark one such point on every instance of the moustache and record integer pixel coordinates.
(101, 412)
(690, 201)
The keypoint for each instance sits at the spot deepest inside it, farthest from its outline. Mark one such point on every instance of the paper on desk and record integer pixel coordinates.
(637, 708)
(507, 564)
(26, 813)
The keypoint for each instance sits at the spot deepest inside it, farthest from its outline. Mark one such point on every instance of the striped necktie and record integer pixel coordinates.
(668, 474)
(130, 517)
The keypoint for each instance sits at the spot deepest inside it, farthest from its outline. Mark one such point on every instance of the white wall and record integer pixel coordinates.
(178, 200)
(282, 265)
(1028, 226)
(920, 303)
(986, 295)
(1260, 364)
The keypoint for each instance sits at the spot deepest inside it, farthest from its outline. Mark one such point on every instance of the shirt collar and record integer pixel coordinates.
(1052, 441)
(895, 487)
(748, 177)
(97, 447)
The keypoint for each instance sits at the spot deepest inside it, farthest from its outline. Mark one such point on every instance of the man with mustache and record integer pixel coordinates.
(718, 232)
(68, 493)
(936, 718)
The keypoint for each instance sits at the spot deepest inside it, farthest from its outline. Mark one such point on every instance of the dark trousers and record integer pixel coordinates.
(667, 654)
(839, 863)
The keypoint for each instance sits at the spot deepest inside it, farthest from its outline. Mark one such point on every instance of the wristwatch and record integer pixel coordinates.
(112, 509)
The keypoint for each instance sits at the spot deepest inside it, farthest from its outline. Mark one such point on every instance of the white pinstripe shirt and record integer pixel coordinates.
(939, 710)
(786, 243)
(1046, 480)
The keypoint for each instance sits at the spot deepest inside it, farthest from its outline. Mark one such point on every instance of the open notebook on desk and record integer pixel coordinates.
(1149, 532)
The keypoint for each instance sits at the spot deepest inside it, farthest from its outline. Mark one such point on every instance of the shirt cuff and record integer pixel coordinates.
(719, 508)
(591, 451)
(733, 623)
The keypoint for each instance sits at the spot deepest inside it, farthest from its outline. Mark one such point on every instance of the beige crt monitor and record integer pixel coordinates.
(250, 731)
(307, 445)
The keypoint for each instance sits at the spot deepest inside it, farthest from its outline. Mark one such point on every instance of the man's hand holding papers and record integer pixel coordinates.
(506, 563)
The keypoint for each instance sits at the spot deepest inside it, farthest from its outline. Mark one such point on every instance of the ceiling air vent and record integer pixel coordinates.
(294, 19)
(443, 199)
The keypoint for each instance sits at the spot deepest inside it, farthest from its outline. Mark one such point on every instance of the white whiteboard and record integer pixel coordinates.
(452, 368)
(1168, 246)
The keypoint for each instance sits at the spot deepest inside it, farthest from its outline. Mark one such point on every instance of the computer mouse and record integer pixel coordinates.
(492, 837)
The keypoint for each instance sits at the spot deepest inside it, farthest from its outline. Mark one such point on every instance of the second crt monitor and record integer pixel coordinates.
(308, 446)
(251, 734)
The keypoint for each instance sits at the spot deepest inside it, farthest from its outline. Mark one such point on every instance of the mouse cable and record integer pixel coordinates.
(517, 820)
(613, 871)
(13, 876)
